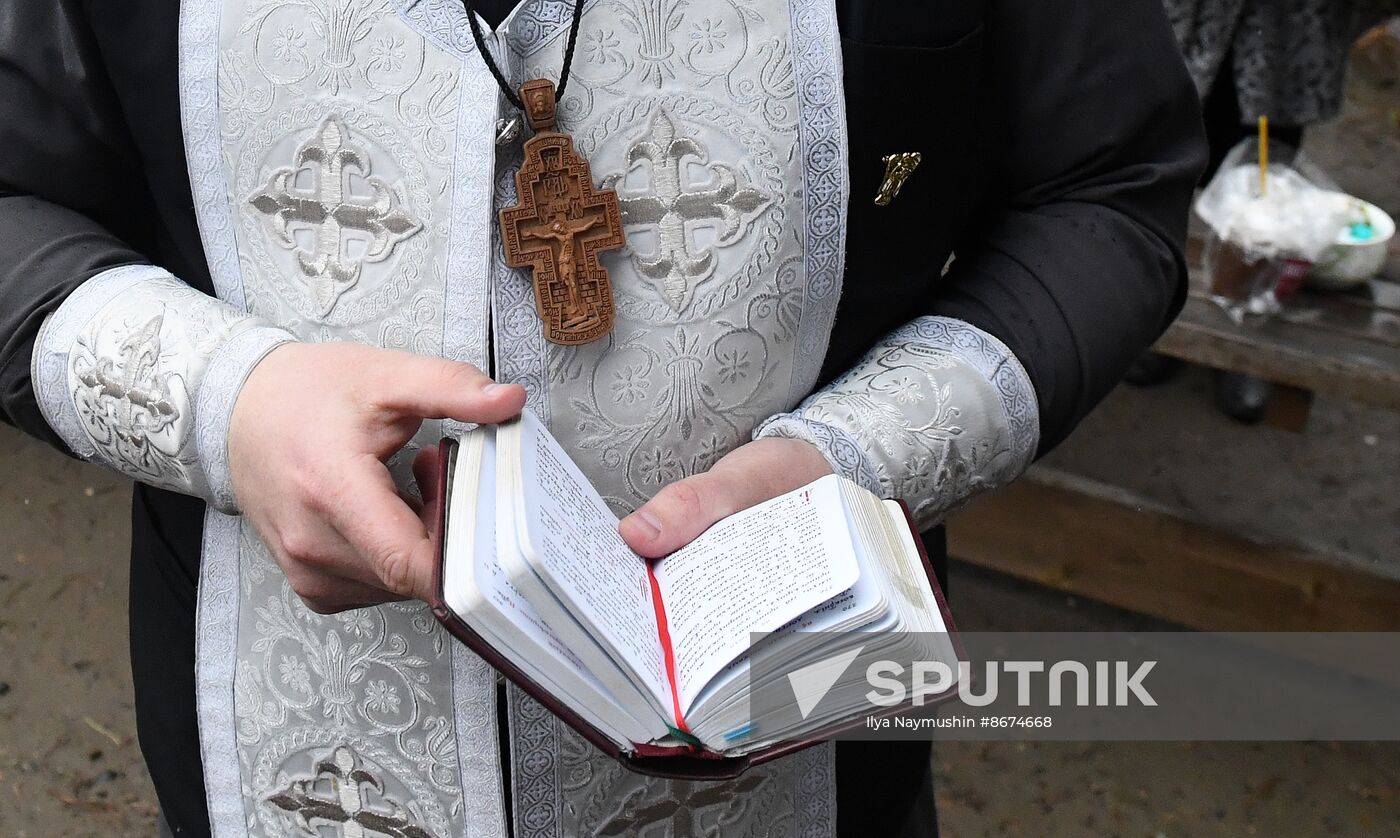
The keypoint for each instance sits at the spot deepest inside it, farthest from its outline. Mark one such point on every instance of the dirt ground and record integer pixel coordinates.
(69, 764)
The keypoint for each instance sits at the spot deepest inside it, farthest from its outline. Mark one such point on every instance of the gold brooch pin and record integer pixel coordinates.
(898, 168)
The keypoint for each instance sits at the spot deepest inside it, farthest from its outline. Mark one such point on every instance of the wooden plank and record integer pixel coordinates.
(1345, 344)
(1101, 543)
(1325, 362)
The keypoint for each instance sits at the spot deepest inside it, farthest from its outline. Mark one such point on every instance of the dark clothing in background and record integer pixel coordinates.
(1060, 144)
(1284, 59)
(1226, 126)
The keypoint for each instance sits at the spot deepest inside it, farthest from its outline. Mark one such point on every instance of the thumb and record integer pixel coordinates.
(750, 474)
(436, 388)
(679, 513)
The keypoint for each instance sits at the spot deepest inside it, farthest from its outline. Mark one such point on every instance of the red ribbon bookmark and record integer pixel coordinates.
(663, 631)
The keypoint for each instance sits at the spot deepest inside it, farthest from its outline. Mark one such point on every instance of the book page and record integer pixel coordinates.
(481, 593)
(852, 609)
(578, 553)
(753, 572)
(491, 581)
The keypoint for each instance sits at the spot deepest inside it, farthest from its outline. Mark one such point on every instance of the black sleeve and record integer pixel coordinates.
(1091, 143)
(65, 162)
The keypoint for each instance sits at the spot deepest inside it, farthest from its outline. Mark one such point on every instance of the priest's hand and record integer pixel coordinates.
(308, 440)
(748, 475)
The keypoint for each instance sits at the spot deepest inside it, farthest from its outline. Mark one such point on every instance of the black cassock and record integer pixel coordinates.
(1060, 145)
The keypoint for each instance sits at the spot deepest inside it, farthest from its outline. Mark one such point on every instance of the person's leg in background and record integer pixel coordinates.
(1243, 398)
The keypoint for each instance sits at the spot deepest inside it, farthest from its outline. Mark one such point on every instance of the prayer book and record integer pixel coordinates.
(655, 662)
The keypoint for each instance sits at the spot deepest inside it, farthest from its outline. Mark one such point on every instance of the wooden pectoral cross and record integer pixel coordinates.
(560, 227)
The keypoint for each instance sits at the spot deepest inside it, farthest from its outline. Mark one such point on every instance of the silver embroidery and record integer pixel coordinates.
(354, 805)
(127, 406)
(653, 21)
(223, 380)
(124, 362)
(287, 72)
(826, 180)
(381, 675)
(686, 374)
(678, 209)
(843, 453)
(940, 411)
(49, 363)
(725, 359)
(216, 656)
(332, 212)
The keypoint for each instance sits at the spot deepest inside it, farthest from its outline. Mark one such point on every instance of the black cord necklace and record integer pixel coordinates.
(511, 95)
(562, 223)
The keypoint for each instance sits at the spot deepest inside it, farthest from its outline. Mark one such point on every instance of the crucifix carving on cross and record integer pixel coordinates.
(560, 228)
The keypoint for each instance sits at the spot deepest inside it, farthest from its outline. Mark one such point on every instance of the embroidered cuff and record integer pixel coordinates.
(139, 371)
(936, 413)
(842, 452)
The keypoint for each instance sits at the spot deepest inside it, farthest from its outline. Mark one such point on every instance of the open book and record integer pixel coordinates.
(650, 660)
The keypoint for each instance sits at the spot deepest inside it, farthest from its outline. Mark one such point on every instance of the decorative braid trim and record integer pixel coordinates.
(223, 381)
(938, 412)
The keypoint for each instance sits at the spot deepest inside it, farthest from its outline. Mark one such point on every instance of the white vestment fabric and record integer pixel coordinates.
(346, 176)
(347, 160)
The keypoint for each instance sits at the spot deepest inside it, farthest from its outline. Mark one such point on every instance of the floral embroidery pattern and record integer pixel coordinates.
(936, 413)
(708, 35)
(388, 53)
(289, 46)
(600, 44)
(629, 386)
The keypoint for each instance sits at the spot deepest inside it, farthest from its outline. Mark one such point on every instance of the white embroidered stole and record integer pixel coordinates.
(345, 177)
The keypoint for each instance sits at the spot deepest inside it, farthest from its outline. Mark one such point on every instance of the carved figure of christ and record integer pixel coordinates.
(558, 230)
(566, 231)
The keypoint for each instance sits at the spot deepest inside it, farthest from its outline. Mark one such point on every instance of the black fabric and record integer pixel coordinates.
(886, 788)
(493, 11)
(1225, 124)
(164, 569)
(92, 166)
(1060, 143)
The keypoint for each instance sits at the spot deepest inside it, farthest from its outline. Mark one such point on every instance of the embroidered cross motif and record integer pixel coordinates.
(688, 808)
(675, 209)
(347, 809)
(127, 401)
(349, 230)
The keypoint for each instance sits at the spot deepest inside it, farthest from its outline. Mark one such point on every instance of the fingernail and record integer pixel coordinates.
(648, 521)
(492, 388)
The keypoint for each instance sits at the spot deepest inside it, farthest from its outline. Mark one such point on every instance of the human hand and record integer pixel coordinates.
(308, 440)
(750, 474)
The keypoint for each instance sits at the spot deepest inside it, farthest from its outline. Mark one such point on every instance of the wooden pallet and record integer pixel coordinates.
(1103, 543)
(1340, 344)
(1099, 542)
